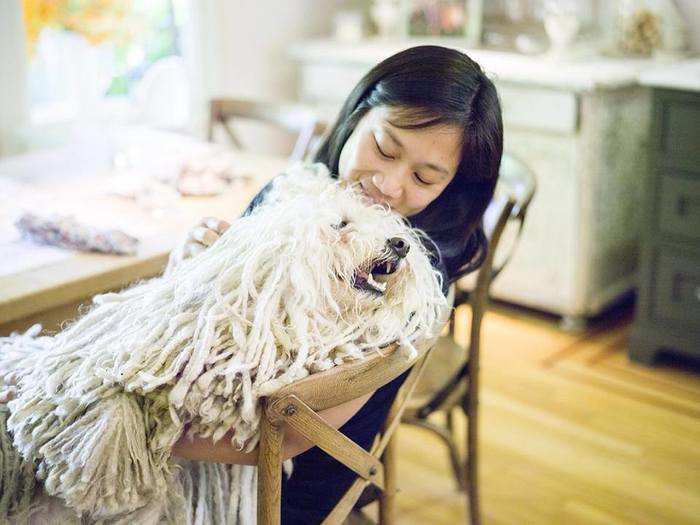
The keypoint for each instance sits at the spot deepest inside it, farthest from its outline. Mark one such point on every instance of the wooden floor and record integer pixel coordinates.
(571, 433)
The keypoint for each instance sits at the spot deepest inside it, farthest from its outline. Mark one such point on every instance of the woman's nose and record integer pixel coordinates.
(388, 184)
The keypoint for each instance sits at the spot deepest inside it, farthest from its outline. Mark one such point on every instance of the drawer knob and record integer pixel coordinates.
(682, 204)
(685, 204)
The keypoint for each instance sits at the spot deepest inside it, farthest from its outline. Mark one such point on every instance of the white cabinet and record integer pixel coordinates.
(582, 128)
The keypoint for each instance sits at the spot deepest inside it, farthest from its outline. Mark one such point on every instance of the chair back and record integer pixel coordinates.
(297, 406)
(444, 384)
(518, 182)
(294, 118)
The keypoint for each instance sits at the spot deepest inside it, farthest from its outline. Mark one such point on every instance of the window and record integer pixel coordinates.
(88, 58)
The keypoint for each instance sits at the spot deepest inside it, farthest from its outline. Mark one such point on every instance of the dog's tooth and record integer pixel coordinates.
(379, 286)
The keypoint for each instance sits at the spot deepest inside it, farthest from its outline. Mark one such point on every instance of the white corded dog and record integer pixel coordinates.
(313, 277)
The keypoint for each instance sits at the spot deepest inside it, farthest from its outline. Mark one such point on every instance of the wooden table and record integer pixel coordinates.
(51, 292)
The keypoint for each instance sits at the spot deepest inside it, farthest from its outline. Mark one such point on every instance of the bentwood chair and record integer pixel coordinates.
(297, 406)
(294, 118)
(460, 391)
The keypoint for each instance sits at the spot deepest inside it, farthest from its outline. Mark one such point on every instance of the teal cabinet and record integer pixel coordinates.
(668, 308)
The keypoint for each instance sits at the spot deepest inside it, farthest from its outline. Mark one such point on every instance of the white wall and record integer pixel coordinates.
(691, 14)
(13, 68)
(251, 59)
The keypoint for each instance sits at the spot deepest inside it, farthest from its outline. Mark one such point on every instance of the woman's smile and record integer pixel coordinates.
(372, 193)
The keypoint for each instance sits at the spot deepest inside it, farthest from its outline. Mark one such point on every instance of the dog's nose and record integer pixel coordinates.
(398, 246)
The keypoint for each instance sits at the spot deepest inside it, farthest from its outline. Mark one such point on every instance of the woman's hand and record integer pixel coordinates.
(204, 235)
(198, 239)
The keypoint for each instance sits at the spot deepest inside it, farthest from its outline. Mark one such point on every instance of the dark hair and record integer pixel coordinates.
(426, 86)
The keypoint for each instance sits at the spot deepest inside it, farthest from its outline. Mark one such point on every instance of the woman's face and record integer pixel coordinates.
(406, 169)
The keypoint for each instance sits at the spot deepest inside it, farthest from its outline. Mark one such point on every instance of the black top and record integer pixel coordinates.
(318, 481)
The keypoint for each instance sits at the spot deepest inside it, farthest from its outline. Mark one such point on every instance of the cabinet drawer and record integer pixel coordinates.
(539, 108)
(679, 206)
(677, 129)
(677, 289)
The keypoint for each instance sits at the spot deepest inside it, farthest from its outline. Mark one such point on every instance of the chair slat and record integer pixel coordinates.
(309, 424)
(299, 119)
(346, 503)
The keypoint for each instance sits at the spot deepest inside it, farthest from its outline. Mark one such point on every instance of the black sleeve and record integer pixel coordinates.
(259, 198)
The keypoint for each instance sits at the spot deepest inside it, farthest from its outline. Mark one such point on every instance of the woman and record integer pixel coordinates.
(421, 133)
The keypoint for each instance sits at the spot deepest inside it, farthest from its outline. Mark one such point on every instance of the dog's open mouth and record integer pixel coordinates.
(371, 277)
(372, 280)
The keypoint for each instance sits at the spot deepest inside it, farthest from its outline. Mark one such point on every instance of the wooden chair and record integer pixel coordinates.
(294, 118)
(297, 406)
(449, 360)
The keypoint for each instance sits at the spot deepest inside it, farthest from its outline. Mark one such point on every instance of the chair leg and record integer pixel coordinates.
(269, 472)
(213, 112)
(447, 436)
(472, 463)
(387, 499)
(455, 459)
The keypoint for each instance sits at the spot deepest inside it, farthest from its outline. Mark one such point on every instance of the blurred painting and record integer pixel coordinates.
(437, 18)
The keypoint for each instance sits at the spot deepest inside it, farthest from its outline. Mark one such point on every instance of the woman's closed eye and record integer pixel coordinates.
(380, 150)
(419, 180)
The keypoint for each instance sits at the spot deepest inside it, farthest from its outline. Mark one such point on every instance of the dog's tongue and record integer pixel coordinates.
(361, 277)
(366, 280)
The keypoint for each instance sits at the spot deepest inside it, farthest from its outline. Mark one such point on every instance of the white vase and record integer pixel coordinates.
(386, 15)
(562, 29)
